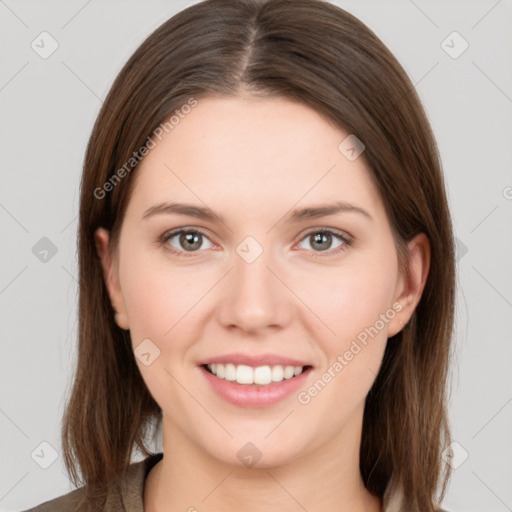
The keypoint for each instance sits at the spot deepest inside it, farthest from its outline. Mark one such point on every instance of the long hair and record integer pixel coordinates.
(318, 54)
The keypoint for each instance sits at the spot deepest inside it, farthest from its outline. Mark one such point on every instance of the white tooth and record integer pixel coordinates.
(289, 371)
(244, 374)
(277, 373)
(230, 372)
(221, 371)
(262, 375)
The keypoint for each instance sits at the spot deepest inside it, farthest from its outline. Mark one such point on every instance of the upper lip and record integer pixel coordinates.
(255, 360)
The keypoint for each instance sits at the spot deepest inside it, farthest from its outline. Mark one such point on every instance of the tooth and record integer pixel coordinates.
(230, 372)
(221, 371)
(244, 374)
(262, 375)
(289, 371)
(277, 373)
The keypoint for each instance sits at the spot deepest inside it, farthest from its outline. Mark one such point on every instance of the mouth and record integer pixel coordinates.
(249, 382)
(260, 375)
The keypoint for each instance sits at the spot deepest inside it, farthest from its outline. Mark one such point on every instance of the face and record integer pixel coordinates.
(253, 277)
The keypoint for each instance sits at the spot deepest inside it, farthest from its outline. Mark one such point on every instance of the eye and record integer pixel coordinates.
(322, 240)
(185, 240)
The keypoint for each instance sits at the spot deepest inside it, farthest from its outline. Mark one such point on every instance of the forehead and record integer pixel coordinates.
(250, 152)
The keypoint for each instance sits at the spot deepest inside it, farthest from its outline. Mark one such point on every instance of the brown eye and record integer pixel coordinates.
(321, 241)
(190, 240)
(186, 240)
(325, 240)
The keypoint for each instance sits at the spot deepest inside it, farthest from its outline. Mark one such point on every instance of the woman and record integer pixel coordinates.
(266, 273)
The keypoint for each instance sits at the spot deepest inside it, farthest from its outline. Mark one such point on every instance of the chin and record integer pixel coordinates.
(258, 453)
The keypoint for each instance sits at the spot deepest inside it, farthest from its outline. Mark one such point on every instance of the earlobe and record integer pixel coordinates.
(110, 276)
(412, 282)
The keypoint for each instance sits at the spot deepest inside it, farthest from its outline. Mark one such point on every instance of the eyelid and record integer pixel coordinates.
(345, 238)
(167, 235)
(323, 229)
(341, 235)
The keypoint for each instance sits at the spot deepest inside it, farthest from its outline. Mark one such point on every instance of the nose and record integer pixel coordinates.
(254, 297)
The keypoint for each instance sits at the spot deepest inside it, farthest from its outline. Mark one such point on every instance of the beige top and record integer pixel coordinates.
(127, 494)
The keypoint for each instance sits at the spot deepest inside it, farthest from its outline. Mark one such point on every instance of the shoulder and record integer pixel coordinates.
(71, 502)
(393, 499)
(125, 495)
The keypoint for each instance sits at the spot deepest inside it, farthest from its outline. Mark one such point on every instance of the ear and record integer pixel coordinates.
(411, 282)
(111, 276)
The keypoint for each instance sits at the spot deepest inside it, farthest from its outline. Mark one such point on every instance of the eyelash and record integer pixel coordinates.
(344, 238)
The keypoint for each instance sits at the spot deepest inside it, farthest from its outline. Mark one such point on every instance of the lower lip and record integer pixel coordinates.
(253, 395)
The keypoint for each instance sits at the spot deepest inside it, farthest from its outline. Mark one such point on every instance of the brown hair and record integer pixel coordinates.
(320, 55)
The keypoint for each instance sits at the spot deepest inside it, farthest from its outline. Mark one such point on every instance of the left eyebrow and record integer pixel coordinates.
(182, 209)
(314, 212)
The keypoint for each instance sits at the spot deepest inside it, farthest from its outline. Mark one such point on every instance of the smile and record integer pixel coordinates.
(254, 386)
(261, 375)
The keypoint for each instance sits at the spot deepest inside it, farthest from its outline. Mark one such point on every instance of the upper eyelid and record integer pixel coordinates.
(167, 235)
(339, 233)
(342, 235)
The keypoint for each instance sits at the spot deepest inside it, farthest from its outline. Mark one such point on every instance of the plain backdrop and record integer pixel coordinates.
(48, 106)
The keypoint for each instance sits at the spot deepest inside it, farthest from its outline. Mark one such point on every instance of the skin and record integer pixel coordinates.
(252, 160)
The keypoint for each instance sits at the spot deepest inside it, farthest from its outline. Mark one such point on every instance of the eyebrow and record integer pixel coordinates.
(296, 215)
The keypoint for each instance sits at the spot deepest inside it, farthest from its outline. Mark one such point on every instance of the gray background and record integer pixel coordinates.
(48, 107)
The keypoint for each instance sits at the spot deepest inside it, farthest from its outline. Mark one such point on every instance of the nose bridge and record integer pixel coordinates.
(254, 298)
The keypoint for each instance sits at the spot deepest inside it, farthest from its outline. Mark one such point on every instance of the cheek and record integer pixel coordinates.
(159, 300)
(355, 302)
(354, 353)
(157, 294)
(163, 303)
(351, 298)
